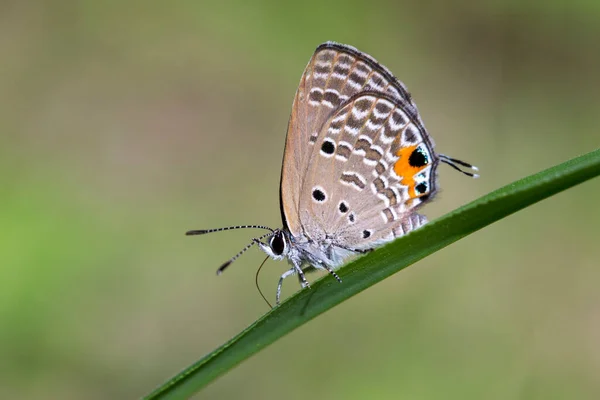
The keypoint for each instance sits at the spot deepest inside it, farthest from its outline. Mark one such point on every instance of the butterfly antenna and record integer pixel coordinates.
(454, 163)
(204, 231)
(232, 259)
(256, 282)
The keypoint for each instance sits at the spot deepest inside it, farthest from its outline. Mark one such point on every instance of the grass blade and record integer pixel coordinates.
(372, 268)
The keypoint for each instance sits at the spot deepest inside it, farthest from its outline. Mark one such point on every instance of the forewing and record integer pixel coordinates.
(371, 167)
(334, 74)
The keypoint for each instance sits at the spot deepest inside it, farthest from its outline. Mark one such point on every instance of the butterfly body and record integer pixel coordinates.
(358, 164)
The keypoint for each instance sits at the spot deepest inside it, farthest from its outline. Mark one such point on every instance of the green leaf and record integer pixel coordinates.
(372, 268)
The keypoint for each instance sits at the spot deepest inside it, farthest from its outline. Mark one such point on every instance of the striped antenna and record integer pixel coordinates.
(232, 259)
(204, 231)
(454, 163)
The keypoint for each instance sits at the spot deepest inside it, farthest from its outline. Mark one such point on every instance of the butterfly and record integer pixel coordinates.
(357, 166)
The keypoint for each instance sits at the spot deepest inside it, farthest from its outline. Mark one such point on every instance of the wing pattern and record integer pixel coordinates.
(358, 159)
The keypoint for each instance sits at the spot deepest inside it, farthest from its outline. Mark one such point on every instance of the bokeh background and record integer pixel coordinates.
(124, 124)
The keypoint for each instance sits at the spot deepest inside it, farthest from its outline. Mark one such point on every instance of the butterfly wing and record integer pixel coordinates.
(333, 75)
(371, 168)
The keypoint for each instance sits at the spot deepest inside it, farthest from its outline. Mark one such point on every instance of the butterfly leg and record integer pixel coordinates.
(360, 251)
(331, 271)
(296, 269)
(301, 276)
(287, 273)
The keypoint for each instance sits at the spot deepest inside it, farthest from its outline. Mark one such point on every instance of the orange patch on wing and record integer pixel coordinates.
(406, 171)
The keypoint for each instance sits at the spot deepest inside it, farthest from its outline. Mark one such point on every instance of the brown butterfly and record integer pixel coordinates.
(358, 164)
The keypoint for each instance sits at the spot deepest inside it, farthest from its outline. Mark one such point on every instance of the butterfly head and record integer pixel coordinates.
(277, 247)
(279, 244)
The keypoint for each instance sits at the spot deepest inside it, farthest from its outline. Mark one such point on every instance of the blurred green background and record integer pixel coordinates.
(124, 124)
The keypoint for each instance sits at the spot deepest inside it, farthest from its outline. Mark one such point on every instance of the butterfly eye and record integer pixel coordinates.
(277, 243)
